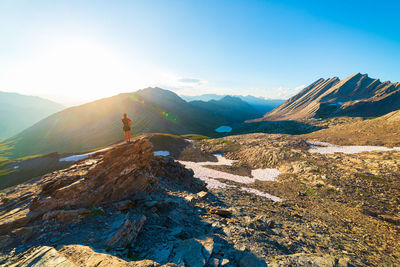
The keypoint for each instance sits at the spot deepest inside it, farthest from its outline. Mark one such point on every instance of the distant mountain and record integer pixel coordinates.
(230, 108)
(384, 130)
(98, 123)
(356, 96)
(259, 103)
(18, 112)
(205, 97)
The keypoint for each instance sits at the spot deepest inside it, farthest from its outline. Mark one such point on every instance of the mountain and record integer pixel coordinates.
(384, 130)
(204, 97)
(259, 103)
(356, 96)
(230, 108)
(98, 123)
(18, 112)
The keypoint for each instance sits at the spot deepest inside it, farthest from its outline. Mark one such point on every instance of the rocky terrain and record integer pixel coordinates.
(127, 207)
(356, 96)
(380, 131)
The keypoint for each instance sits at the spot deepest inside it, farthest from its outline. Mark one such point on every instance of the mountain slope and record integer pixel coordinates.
(18, 112)
(232, 109)
(98, 123)
(383, 130)
(356, 96)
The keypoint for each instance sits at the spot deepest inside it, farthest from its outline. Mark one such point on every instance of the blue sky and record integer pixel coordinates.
(77, 51)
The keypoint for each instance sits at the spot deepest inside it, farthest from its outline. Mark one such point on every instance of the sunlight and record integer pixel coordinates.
(84, 68)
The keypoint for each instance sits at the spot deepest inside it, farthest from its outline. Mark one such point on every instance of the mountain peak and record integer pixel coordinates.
(357, 95)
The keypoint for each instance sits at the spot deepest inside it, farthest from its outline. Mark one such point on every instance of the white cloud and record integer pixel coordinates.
(286, 93)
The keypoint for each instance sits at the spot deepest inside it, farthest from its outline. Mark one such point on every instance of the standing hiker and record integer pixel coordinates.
(127, 127)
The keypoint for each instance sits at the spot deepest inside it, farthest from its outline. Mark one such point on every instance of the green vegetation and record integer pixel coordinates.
(95, 212)
(30, 157)
(228, 146)
(310, 192)
(6, 172)
(4, 162)
(195, 136)
(165, 140)
(371, 177)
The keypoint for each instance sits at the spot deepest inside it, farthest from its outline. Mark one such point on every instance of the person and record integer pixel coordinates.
(127, 127)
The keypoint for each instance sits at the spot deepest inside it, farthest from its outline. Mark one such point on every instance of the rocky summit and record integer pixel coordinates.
(127, 207)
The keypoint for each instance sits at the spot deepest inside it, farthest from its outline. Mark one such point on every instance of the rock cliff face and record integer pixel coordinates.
(356, 96)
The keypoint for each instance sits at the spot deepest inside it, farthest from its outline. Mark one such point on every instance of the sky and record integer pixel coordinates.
(78, 51)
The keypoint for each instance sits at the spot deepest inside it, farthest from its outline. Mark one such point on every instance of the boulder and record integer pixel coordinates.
(194, 252)
(221, 212)
(248, 259)
(128, 232)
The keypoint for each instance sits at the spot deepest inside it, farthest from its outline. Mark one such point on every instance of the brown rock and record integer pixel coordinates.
(123, 172)
(220, 212)
(65, 216)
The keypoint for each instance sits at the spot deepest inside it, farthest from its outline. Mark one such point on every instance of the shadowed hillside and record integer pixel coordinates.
(230, 108)
(18, 112)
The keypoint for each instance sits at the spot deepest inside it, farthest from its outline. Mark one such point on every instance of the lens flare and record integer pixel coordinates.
(166, 115)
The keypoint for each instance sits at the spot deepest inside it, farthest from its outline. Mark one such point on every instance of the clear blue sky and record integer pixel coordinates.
(76, 51)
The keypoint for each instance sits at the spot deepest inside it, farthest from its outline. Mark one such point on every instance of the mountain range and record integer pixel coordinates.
(18, 112)
(356, 96)
(98, 123)
(261, 104)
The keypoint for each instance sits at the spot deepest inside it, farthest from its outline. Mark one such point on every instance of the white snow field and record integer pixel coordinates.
(83, 156)
(208, 175)
(224, 129)
(161, 153)
(327, 148)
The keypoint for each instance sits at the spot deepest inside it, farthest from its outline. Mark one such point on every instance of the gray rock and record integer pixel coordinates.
(248, 259)
(194, 252)
(128, 231)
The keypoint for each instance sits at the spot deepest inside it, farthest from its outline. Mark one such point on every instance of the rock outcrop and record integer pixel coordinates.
(72, 256)
(123, 172)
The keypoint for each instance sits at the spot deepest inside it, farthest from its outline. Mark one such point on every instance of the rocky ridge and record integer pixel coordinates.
(357, 96)
(338, 210)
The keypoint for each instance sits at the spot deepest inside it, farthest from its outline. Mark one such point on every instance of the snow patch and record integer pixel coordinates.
(265, 174)
(261, 194)
(224, 129)
(82, 156)
(327, 148)
(209, 175)
(161, 153)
